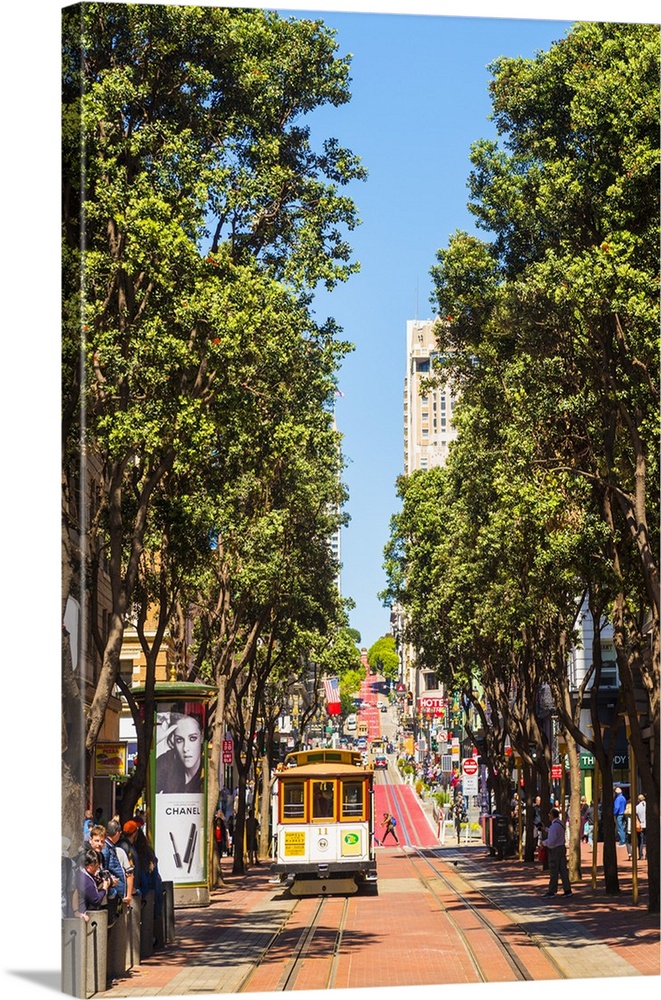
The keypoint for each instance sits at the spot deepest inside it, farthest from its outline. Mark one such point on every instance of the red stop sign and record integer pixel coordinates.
(469, 765)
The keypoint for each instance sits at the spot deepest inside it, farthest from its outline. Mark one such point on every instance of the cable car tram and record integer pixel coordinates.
(323, 823)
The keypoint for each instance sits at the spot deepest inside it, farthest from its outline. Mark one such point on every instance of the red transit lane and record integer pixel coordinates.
(413, 827)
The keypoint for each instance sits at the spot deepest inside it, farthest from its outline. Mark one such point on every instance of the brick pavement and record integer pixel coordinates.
(624, 926)
(215, 945)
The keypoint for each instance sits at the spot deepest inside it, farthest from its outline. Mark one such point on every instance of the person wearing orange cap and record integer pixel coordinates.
(127, 843)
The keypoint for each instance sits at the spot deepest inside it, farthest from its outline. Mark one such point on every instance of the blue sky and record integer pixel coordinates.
(419, 86)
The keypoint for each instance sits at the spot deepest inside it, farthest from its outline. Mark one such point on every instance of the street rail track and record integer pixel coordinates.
(510, 953)
(302, 949)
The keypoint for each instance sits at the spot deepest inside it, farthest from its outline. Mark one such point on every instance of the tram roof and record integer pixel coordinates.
(324, 760)
(325, 770)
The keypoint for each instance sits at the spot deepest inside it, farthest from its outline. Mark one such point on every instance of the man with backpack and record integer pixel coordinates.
(389, 824)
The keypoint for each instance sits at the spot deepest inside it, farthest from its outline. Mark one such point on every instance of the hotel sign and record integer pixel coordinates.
(431, 704)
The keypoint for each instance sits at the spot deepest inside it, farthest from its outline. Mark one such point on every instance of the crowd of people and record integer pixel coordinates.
(116, 867)
(224, 822)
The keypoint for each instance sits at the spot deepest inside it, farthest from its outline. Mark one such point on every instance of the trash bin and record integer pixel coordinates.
(485, 823)
(499, 838)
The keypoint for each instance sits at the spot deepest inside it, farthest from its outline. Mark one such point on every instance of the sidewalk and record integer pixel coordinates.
(623, 925)
(215, 946)
(617, 921)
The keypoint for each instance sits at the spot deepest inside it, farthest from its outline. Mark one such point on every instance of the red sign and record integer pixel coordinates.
(228, 751)
(556, 772)
(469, 765)
(431, 705)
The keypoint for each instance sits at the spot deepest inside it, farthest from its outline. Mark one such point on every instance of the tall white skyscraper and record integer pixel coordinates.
(428, 412)
(428, 431)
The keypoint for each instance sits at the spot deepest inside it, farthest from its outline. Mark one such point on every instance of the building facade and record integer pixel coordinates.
(428, 410)
(428, 432)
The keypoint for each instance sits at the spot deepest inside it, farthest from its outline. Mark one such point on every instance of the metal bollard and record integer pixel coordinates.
(84, 954)
(74, 956)
(133, 933)
(117, 937)
(97, 951)
(168, 913)
(147, 926)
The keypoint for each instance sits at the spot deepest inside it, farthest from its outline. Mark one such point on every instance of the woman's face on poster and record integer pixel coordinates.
(187, 740)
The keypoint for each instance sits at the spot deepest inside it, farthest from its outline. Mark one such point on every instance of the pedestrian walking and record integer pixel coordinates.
(537, 821)
(389, 824)
(584, 814)
(619, 805)
(641, 825)
(220, 833)
(628, 828)
(460, 815)
(588, 826)
(252, 837)
(555, 845)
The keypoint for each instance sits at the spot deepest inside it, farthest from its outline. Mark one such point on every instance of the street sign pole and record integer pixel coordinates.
(469, 769)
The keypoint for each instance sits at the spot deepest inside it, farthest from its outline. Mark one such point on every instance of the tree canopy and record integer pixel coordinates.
(198, 217)
(549, 331)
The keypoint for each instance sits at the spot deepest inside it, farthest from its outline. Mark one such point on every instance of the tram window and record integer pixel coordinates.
(323, 799)
(352, 799)
(293, 800)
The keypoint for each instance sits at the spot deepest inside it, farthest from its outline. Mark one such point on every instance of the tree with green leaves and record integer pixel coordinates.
(561, 309)
(383, 658)
(191, 189)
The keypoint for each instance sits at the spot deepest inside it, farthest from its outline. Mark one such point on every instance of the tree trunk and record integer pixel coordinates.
(74, 790)
(574, 852)
(213, 783)
(238, 862)
(265, 808)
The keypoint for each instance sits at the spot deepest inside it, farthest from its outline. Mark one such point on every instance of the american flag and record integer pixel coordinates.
(332, 691)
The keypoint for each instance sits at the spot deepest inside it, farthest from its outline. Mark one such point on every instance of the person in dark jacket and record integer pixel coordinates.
(92, 891)
(111, 861)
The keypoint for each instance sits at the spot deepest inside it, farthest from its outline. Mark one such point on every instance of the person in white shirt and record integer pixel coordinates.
(641, 821)
(555, 844)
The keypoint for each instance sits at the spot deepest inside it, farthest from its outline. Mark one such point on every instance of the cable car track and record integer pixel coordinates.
(517, 966)
(301, 950)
